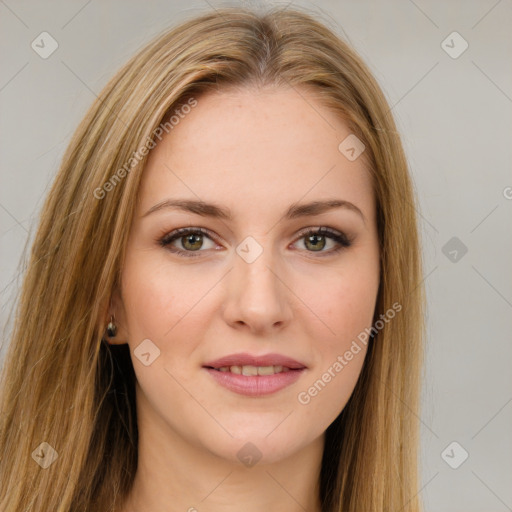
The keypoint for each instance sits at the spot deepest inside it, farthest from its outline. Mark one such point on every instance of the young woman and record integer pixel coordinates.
(223, 308)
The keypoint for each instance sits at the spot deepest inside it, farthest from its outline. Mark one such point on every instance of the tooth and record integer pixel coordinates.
(267, 370)
(249, 370)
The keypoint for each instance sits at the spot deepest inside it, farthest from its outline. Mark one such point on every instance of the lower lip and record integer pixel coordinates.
(255, 385)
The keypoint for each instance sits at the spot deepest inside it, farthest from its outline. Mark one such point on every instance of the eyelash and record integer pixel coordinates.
(343, 241)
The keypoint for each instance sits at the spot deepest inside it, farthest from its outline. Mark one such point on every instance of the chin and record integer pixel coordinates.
(252, 446)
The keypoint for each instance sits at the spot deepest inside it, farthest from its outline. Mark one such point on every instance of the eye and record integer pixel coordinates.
(316, 238)
(191, 240)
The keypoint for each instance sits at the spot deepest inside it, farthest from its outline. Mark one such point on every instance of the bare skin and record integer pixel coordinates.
(256, 153)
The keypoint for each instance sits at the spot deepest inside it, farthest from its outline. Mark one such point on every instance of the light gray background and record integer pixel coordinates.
(455, 118)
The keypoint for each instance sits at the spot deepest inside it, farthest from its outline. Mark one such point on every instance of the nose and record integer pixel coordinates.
(258, 298)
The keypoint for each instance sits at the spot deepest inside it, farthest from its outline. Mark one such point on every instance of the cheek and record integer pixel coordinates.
(159, 306)
(156, 301)
(345, 305)
(352, 309)
(346, 308)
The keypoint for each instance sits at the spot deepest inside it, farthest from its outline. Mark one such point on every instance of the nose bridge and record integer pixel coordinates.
(257, 293)
(255, 268)
(260, 275)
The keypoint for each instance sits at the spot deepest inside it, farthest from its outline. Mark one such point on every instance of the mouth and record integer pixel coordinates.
(250, 370)
(255, 375)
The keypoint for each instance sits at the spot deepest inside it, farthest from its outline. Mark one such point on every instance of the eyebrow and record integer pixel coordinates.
(294, 211)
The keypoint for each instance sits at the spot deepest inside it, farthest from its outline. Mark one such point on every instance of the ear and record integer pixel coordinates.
(117, 315)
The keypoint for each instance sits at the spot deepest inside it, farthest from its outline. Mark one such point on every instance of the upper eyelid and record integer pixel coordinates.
(177, 233)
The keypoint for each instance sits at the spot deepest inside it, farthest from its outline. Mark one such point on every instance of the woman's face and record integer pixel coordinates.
(254, 282)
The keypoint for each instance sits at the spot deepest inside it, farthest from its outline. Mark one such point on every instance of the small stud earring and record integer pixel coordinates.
(111, 328)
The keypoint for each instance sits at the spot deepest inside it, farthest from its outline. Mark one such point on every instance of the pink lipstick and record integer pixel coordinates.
(251, 375)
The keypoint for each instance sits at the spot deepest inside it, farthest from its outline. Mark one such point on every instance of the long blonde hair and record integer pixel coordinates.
(63, 385)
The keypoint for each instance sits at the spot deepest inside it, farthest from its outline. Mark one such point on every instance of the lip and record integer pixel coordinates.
(255, 385)
(245, 359)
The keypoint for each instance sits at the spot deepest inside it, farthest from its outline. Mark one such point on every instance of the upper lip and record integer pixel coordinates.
(244, 359)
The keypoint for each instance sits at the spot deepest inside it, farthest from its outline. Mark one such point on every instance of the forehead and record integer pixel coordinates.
(251, 147)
